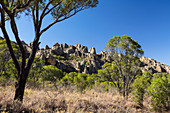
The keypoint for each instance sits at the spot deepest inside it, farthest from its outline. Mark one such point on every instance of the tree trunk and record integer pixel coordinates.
(124, 84)
(20, 86)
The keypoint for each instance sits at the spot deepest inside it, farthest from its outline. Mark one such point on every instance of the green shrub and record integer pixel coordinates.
(160, 92)
(68, 79)
(72, 57)
(52, 73)
(79, 80)
(139, 87)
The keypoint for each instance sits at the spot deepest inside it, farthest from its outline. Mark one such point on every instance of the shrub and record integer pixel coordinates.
(160, 91)
(52, 73)
(139, 87)
(79, 80)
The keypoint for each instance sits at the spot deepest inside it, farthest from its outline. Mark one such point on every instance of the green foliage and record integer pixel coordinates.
(125, 52)
(51, 73)
(72, 57)
(160, 91)
(79, 80)
(139, 87)
(110, 73)
(36, 71)
(7, 69)
(59, 57)
(87, 63)
(62, 8)
(68, 79)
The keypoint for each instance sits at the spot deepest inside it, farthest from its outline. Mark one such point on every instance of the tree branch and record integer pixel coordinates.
(5, 8)
(44, 10)
(51, 9)
(21, 6)
(16, 63)
(15, 32)
(33, 15)
(57, 20)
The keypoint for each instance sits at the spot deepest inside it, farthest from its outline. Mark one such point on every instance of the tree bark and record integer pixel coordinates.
(20, 86)
(124, 89)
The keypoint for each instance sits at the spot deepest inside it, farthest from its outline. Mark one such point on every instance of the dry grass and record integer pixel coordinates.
(51, 101)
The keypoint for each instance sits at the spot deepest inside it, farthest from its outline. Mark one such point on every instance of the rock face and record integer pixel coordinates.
(153, 66)
(71, 58)
(78, 58)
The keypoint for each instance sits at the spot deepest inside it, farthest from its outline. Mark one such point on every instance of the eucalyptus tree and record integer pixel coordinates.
(60, 10)
(125, 52)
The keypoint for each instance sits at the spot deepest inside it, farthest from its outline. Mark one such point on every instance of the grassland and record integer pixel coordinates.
(49, 100)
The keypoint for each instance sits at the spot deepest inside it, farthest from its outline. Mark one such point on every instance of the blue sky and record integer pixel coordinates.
(147, 21)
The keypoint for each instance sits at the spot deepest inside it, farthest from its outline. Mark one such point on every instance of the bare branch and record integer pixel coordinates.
(33, 15)
(57, 20)
(44, 10)
(15, 32)
(52, 8)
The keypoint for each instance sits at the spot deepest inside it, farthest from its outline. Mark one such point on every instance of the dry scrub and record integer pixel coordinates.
(51, 101)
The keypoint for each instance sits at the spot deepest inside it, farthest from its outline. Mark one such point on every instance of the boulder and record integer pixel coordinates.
(92, 50)
(86, 70)
(77, 54)
(70, 50)
(56, 44)
(84, 49)
(51, 60)
(64, 45)
(46, 47)
(56, 50)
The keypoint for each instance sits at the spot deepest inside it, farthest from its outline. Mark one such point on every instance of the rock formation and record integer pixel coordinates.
(153, 66)
(75, 58)
(78, 58)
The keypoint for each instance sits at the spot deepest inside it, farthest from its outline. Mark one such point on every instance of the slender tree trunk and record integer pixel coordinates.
(20, 86)
(124, 89)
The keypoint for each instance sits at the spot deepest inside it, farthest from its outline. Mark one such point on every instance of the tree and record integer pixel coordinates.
(38, 9)
(139, 87)
(160, 92)
(110, 73)
(52, 73)
(125, 52)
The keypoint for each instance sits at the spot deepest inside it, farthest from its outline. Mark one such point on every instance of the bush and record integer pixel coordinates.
(52, 73)
(72, 57)
(160, 92)
(79, 80)
(139, 87)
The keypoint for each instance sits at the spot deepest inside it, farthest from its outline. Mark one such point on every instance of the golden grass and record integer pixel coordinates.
(62, 101)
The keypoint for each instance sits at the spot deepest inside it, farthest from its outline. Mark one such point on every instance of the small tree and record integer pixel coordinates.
(38, 9)
(125, 52)
(140, 87)
(36, 70)
(160, 92)
(110, 73)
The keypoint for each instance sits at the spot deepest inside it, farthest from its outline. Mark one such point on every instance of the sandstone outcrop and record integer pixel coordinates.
(78, 58)
(153, 66)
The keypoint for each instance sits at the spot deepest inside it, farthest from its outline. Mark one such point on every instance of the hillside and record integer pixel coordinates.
(79, 58)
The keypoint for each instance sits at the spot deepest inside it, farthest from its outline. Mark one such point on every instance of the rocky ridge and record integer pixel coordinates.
(78, 58)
